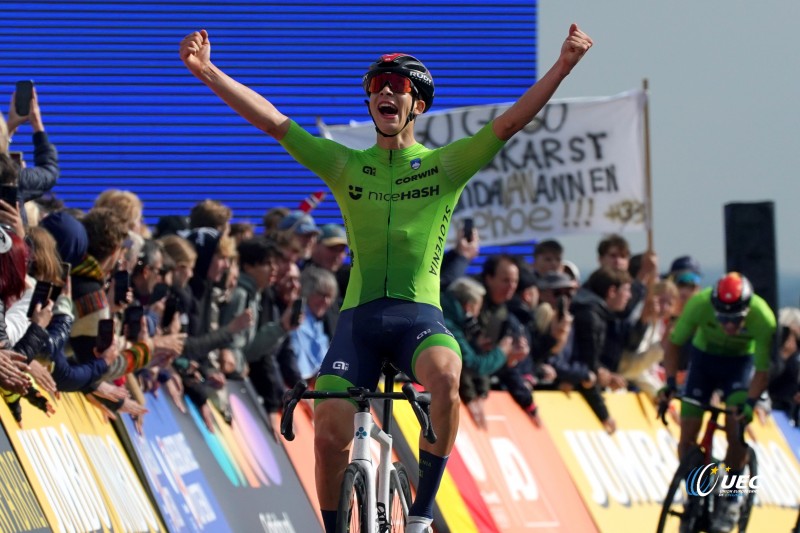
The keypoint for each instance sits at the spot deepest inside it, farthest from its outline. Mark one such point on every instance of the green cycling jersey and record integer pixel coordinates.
(698, 321)
(396, 205)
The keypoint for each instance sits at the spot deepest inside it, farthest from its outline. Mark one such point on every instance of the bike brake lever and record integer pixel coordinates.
(291, 399)
(287, 421)
(420, 404)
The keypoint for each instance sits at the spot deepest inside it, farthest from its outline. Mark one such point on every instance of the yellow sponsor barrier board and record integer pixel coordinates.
(623, 478)
(19, 509)
(448, 499)
(78, 469)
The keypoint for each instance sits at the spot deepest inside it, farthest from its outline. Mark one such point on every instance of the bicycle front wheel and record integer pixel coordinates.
(353, 501)
(747, 504)
(680, 511)
(399, 498)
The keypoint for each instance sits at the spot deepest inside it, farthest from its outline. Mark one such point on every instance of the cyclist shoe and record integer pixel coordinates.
(418, 524)
(726, 514)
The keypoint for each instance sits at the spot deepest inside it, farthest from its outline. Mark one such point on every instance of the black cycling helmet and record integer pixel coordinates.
(731, 295)
(405, 65)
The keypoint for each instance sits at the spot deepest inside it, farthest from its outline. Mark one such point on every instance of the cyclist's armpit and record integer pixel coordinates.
(464, 157)
(323, 157)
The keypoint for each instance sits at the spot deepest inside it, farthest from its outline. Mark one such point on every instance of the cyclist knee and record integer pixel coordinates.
(444, 384)
(333, 426)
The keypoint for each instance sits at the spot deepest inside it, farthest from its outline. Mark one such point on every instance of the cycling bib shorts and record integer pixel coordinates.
(392, 329)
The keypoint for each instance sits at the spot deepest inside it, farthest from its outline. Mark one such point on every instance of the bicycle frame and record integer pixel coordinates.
(364, 424)
(706, 443)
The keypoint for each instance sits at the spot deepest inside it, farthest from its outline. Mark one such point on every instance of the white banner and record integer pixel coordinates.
(578, 167)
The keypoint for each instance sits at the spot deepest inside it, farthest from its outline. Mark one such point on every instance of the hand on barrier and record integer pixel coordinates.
(43, 378)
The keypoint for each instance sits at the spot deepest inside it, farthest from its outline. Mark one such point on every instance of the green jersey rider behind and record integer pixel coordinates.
(396, 199)
(731, 329)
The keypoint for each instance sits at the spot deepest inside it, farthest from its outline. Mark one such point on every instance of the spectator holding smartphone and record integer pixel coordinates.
(33, 181)
(258, 262)
(106, 232)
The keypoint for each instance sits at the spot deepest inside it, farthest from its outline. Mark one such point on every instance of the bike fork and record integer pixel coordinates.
(363, 428)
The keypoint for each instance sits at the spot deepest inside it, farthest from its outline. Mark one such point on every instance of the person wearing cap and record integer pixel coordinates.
(330, 249)
(685, 272)
(553, 336)
(397, 224)
(302, 232)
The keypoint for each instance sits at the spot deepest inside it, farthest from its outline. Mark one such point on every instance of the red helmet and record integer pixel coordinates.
(731, 295)
(405, 65)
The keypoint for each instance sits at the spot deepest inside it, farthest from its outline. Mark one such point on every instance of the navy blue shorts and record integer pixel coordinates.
(709, 372)
(391, 329)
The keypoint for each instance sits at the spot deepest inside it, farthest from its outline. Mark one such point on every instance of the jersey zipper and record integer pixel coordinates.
(388, 226)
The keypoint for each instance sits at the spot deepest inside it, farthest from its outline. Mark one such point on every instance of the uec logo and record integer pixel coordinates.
(702, 481)
(700, 484)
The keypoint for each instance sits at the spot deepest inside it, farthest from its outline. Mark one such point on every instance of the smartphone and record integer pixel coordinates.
(16, 157)
(160, 291)
(297, 309)
(170, 308)
(23, 97)
(105, 334)
(122, 282)
(133, 320)
(561, 306)
(41, 293)
(55, 292)
(469, 229)
(9, 194)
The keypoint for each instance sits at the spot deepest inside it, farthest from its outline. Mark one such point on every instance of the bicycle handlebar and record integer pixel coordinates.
(420, 404)
(662, 411)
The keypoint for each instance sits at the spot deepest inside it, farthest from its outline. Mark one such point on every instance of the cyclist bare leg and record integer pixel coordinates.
(438, 369)
(690, 429)
(333, 434)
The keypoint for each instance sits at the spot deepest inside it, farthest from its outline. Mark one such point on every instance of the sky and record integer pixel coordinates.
(724, 116)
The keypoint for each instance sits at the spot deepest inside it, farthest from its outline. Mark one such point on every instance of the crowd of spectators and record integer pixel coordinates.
(198, 300)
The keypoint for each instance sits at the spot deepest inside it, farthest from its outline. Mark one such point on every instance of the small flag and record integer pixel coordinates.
(311, 201)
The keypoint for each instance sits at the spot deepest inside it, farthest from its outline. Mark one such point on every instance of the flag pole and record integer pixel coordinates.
(648, 178)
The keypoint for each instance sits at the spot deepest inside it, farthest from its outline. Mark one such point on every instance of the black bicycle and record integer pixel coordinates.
(374, 498)
(693, 512)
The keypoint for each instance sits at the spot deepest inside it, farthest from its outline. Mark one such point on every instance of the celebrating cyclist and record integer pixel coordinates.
(396, 227)
(731, 330)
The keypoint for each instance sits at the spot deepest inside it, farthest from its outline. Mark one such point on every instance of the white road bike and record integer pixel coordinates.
(375, 498)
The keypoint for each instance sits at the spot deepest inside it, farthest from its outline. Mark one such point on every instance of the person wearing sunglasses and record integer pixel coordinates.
(397, 223)
(731, 330)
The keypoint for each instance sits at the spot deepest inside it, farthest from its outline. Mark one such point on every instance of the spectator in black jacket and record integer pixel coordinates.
(214, 254)
(606, 292)
(500, 276)
(33, 181)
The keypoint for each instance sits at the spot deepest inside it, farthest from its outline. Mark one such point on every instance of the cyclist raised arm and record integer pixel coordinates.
(534, 99)
(396, 226)
(731, 330)
(195, 51)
